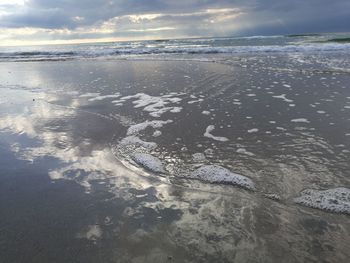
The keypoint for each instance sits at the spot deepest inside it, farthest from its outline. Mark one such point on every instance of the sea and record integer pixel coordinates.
(231, 149)
(335, 42)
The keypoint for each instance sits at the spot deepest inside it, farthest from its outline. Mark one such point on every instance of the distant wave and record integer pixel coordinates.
(110, 51)
(36, 54)
(340, 40)
(304, 35)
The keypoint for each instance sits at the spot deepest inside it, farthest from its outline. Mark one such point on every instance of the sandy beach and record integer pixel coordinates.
(175, 159)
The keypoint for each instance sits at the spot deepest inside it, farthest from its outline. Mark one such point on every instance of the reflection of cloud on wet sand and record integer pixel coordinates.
(52, 127)
(99, 166)
(149, 213)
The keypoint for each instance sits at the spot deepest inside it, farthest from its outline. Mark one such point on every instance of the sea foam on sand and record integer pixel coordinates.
(198, 157)
(135, 129)
(208, 134)
(136, 141)
(155, 105)
(105, 97)
(300, 120)
(283, 97)
(336, 200)
(149, 162)
(219, 174)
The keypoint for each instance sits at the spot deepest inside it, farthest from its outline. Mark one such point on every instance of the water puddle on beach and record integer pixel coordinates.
(174, 161)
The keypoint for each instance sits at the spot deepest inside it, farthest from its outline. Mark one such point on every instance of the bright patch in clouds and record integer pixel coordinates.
(13, 2)
(140, 18)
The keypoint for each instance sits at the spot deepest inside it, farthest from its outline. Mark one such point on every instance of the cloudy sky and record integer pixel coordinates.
(59, 21)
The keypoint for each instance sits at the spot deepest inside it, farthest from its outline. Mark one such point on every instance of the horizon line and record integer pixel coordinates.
(121, 40)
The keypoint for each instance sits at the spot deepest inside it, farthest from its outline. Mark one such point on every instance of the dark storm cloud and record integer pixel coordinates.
(116, 18)
(304, 16)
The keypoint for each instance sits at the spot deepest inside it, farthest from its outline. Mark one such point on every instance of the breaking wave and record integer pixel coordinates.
(111, 50)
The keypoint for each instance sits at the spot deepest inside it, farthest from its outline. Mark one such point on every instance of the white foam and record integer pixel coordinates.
(205, 112)
(157, 133)
(137, 128)
(198, 157)
(244, 151)
(219, 174)
(94, 232)
(104, 97)
(149, 162)
(253, 130)
(283, 97)
(273, 196)
(208, 134)
(194, 101)
(136, 141)
(156, 106)
(300, 120)
(209, 151)
(335, 200)
(176, 109)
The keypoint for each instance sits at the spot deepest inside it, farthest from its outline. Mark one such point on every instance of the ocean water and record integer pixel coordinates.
(228, 45)
(198, 150)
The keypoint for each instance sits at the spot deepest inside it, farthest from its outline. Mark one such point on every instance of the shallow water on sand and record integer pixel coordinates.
(102, 160)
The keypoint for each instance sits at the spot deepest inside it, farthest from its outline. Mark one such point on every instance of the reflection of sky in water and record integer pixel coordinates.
(135, 217)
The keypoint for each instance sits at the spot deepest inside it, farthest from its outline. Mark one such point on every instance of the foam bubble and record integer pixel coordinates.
(136, 141)
(198, 157)
(149, 162)
(301, 120)
(98, 98)
(273, 196)
(219, 174)
(194, 101)
(244, 151)
(283, 97)
(157, 133)
(94, 232)
(135, 129)
(208, 134)
(336, 200)
(156, 106)
(253, 130)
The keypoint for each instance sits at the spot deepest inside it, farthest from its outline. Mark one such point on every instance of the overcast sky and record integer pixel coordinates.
(56, 21)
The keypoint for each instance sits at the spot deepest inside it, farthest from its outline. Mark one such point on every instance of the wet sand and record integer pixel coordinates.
(102, 161)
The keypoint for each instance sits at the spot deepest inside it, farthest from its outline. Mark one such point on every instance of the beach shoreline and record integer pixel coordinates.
(229, 158)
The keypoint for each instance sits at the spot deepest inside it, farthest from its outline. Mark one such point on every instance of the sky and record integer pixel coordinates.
(72, 21)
